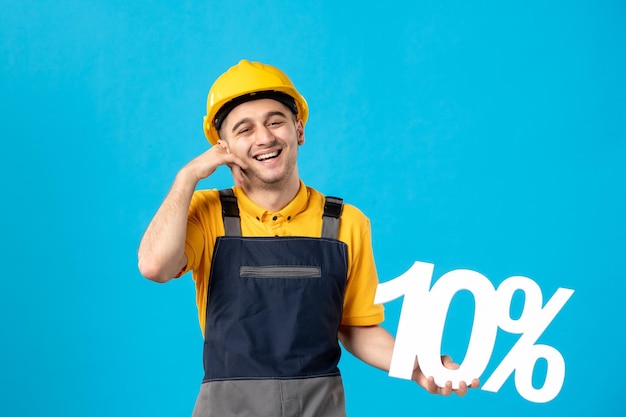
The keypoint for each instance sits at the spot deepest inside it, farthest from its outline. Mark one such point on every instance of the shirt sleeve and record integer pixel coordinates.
(194, 242)
(200, 220)
(359, 307)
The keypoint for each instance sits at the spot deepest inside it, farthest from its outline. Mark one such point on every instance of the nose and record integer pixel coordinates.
(264, 136)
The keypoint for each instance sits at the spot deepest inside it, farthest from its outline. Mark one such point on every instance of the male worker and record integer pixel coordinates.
(282, 273)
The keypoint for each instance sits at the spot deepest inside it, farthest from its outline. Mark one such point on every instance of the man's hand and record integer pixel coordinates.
(205, 164)
(428, 383)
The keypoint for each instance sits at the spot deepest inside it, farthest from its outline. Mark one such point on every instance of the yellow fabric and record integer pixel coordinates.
(301, 217)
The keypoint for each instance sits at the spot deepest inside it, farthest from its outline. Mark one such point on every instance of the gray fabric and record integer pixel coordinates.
(310, 397)
(333, 207)
(230, 212)
(330, 227)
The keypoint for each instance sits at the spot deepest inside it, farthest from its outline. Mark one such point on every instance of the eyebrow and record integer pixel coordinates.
(267, 116)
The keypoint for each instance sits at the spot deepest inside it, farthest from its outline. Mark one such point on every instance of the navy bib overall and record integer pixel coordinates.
(274, 306)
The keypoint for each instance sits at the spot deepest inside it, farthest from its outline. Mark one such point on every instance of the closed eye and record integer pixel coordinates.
(244, 130)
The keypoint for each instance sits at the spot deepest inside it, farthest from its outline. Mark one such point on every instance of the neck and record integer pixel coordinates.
(274, 197)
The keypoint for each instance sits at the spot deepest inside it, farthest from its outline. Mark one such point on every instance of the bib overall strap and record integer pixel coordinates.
(330, 219)
(230, 212)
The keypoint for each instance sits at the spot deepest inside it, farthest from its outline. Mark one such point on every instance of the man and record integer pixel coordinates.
(282, 273)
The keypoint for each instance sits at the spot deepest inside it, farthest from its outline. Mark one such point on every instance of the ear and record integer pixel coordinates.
(300, 131)
(223, 144)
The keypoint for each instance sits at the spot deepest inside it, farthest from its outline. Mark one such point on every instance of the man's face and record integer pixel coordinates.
(266, 134)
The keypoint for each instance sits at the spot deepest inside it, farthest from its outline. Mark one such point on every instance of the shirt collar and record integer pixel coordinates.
(291, 210)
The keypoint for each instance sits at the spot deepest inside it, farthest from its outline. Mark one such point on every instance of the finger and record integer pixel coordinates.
(233, 159)
(446, 390)
(475, 383)
(462, 390)
(430, 385)
(448, 363)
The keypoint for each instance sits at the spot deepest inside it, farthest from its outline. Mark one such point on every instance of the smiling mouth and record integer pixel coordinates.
(267, 156)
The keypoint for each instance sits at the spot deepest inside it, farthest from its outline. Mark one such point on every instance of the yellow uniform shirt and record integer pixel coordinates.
(301, 217)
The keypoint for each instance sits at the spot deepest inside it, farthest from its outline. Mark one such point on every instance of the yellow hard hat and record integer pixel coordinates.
(249, 81)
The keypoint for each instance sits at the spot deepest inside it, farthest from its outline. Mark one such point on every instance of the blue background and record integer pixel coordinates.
(480, 135)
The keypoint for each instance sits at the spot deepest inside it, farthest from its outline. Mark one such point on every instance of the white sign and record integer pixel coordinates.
(423, 316)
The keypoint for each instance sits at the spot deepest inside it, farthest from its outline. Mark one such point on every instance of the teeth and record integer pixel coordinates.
(265, 156)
